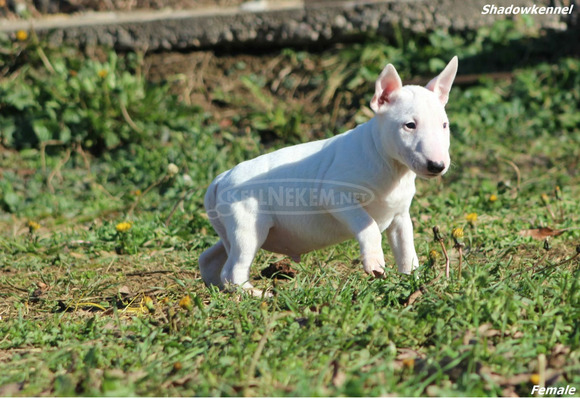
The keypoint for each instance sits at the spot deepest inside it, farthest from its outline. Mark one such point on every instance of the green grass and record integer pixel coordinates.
(87, 310)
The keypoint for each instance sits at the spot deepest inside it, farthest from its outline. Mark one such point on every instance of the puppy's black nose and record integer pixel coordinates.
(435, 167)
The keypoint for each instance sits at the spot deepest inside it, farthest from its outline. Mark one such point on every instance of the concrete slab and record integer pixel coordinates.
(273, 23)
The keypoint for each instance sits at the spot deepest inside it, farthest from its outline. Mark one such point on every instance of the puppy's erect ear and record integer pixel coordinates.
(441, 84)
(387, 83)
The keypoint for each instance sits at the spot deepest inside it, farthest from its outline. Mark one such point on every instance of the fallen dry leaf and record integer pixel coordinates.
(559, 356)
(542, 233)
(413, 297)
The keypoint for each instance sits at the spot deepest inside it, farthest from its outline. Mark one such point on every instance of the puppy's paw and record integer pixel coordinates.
(379, 273)
(259, 293)
(374, 265)
(250, 289)
(410, 266)
(247, 289)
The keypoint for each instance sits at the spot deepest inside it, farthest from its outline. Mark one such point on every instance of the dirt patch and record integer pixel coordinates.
(280, 89)
(279, 270)
(117, 281)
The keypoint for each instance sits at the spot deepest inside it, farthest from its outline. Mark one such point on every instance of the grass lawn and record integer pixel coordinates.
(100, 292)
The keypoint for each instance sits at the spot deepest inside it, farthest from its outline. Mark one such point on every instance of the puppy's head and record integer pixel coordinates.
(413, 125)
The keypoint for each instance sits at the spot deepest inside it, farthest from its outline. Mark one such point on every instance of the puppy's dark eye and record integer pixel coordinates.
(410, 125)
(444, 125)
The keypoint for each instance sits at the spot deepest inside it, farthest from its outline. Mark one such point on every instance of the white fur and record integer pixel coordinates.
(408, 136)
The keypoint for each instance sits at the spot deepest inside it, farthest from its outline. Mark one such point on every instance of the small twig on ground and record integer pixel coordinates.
(439, 238)
(138, 199)
(533, 267)
(562, 262)
(43, 146)
(5, 338)
(128, 119)
(79, 149)
(40, 51)
(148, 272)
(15, 287)
(171, 171)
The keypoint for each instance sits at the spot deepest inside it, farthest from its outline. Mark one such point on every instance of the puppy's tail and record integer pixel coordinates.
(210, 200)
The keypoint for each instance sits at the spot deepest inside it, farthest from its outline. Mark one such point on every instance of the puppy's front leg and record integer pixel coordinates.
(400, 234)
(367, 233)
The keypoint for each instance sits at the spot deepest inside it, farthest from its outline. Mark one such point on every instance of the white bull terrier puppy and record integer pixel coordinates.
(356, 184)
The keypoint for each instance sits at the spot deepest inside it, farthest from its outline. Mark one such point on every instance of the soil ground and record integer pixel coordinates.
(198, 77)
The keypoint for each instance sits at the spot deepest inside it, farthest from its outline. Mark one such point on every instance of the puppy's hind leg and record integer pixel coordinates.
(242, 251)
(211, 263)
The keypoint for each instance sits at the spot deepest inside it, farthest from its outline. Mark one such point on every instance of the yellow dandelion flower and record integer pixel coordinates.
(185, 303)
(471, 217)
(433, 255)
(33, 226)
(123, 227)
(493, 198)
(545, 198)
(457, 233)
(21, 35)
(103, 73)
(148, 303)
(535, 379)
